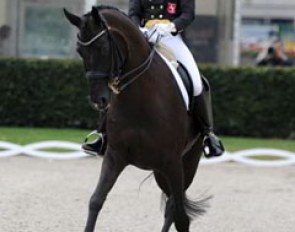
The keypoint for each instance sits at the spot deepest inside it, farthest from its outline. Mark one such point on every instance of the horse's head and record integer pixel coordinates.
(114, 51)
(94, 47)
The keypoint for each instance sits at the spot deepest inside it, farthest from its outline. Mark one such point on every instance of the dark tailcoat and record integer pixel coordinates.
(180, 12)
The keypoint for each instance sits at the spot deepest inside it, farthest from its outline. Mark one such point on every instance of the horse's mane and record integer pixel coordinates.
(108, 7)
(103, 7)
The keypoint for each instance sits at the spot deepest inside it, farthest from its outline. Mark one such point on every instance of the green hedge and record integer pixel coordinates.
(38, 93)
(255, 102)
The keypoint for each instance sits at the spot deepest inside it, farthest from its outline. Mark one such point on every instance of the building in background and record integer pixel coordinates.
(4, 28)
(263, 21)
(38, 29)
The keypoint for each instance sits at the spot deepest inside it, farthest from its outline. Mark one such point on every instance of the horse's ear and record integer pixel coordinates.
(73, 19)
(95, 14)
(99, 17)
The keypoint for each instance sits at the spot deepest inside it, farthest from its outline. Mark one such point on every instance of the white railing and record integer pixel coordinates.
(37, 150)
(280, 158)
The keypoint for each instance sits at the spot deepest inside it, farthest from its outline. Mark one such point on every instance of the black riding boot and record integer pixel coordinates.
(98, 146)
(202, 113)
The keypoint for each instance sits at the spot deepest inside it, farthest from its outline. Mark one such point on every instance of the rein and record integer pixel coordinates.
(119, 80)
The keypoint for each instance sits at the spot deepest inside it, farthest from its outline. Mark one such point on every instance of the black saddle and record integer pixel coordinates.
(188, 83)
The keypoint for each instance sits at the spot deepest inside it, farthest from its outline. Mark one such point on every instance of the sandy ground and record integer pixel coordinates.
(52, 196)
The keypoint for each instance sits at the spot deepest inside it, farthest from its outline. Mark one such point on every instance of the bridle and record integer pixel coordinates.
(116, 78)
(88, 43)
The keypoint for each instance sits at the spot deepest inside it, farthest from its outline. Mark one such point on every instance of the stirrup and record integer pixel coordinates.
(99, 137)
(95, 132)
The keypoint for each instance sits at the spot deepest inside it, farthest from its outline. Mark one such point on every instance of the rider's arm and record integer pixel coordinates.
(135, 11)
(187, 15)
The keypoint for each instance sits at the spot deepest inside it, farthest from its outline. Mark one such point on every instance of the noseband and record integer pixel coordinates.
(117, 79)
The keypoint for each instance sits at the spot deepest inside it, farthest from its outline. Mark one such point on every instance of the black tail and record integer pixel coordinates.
(195, 208)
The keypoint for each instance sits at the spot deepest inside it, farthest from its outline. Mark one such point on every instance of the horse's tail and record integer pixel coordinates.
(193, 208)
(196, 208)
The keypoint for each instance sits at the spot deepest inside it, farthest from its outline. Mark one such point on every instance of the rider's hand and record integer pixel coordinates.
(165, 29)
(144, 30)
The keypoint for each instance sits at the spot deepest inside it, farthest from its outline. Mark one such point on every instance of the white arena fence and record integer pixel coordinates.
(278, 158)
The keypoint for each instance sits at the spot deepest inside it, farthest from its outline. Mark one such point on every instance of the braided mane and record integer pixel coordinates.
(103, 7)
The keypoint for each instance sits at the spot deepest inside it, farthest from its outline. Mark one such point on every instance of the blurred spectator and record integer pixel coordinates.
(274, 55)
(4, 35)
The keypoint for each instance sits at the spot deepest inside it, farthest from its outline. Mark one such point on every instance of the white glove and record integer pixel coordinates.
(144, 30)
(153, 35)
(165, 29)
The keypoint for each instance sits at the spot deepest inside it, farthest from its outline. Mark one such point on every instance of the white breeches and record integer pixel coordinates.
(183, 55)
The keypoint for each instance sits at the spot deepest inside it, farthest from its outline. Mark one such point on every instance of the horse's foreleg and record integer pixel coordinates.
(174, 175)
(110, 170)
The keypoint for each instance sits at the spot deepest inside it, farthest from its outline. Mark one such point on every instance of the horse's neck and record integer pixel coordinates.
(139, 51)
(140, 92)
(137, 47)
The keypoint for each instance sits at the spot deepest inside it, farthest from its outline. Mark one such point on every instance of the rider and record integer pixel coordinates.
(170, 18)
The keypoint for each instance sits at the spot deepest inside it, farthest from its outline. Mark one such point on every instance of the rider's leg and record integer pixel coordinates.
(184, 56)
(202, 110)
(98, 146)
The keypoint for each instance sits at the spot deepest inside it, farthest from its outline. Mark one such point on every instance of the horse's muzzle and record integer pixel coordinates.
(99, 91)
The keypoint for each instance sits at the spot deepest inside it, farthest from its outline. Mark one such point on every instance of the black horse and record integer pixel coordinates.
(147, 122)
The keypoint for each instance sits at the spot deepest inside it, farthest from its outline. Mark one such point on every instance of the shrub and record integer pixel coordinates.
(253, 101)
(50, 93)
(247, 101)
